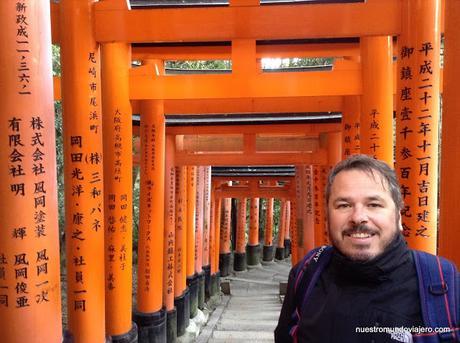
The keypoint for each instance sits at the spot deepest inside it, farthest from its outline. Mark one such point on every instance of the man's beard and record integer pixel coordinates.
(362, 255)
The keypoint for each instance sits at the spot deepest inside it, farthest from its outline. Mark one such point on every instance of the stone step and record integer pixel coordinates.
(244, 340)
(243, 335)
(248, 325)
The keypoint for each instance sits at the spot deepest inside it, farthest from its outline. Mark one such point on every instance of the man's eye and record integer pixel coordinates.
(375, 205)
(343, 205)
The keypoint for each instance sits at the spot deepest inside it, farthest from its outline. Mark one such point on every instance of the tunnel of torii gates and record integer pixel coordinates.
(381, 97)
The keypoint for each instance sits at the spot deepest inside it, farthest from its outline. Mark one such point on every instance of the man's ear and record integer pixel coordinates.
(400, 221)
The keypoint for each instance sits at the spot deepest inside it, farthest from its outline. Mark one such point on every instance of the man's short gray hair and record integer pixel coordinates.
(368, 165)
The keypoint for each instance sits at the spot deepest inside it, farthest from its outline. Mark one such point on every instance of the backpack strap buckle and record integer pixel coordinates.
(439, 289)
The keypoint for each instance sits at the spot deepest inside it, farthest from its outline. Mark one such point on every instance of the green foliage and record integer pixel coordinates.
(199, 65)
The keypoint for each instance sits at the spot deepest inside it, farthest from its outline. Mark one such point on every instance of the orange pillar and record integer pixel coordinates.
(169, 240)
(207, 216)
(181, 291)
(218, 219)
(225, 250)
(350, 126)
(450, 163)
(324, 172)
(117, 119)
(318, 205)
(294, 235)
(199, 237)
(206, 228)
(199, 220)
(417, 121)
(253, 248)
(30, 297)
(84, 208)
(287, 232)
(192, 277)
(151, 221)
(377, 99)
(305, 216)
(239, 261)
(268, 237)
(279, 255)
(215, 274)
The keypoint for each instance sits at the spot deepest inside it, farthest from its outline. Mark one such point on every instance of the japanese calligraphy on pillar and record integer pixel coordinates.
(170, 229)
(179, 221)
(149, 165)
(351, 140)
(23, 49)
(199, 218)
(206, 213)
(323, 180)
(417, 128)
(299, 177)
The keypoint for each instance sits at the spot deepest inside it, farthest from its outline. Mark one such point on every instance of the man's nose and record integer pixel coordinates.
(359, 215)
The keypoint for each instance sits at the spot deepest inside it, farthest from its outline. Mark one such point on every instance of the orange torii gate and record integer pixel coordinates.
(87, 29)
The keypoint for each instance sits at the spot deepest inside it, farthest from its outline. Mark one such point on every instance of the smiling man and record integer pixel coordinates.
(367, 283)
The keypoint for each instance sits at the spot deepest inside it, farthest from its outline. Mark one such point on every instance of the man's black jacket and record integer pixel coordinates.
(351, 295)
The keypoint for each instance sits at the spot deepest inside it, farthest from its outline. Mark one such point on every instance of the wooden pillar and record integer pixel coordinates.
(192, 277)
(199, 236)
(268, 236)
(225, 249)
(218, 213)
(169, 239)
(324, 172)
(151, 221)
(279, 255)
(287, 232)
(377, 99)
(116, 109)
(294, 235)
(30, 297)
(206, 215)
(318, 205)
(181, 230)
(84, 208)
(191, 213)
(304, 206)
(239, 263)
(199, 220)
(350, 126)
(253, 252)
(418, 120)
(181, 292)
(450, 163)
(225, 227)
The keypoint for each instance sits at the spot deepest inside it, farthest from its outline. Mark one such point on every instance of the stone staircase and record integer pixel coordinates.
(250, 313)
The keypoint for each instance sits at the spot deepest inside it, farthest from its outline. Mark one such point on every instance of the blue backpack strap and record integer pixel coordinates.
(438, 289)
(306, 280)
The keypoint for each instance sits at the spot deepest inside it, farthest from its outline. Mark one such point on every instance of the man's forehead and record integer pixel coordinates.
(354, 175)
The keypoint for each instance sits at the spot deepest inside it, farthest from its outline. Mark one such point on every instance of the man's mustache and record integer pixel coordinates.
(360, 228)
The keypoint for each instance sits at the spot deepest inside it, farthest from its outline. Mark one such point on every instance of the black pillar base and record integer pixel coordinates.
(207, 281)
(129, 337)
(267, 253)
(201, 292)
(215, 283)
(239, 261)
(224, 264)
(182, 304)
(171, 326)
(68, 337)
(192, 283)
(151, 327)
(287, 247)
(253, 254)
(279, 255)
